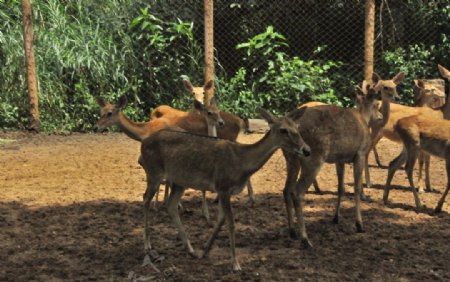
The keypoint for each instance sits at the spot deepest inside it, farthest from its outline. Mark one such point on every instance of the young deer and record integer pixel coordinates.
(420, 132)
(217, 165)
(228, 129)
(399, 111)
(335, 135)
(193, 121)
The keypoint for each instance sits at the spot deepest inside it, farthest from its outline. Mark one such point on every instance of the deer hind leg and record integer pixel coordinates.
(358, 166)
(340, 169)
(226, 205)
(427, 173)
(442, 200)
(377, 157)
(393, 167)
(316, 187)
(413, 151)
(152, 188)
(172, 207)
(293, 169)
(310, 169)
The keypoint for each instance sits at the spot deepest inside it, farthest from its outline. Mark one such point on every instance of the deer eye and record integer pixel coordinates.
(210, 113)
(386, 88)
(109, 114)
(283, 131)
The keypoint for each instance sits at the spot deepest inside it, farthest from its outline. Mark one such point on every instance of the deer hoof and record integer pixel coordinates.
(359, 227)
(336, 219)
(293, 233)
(251, 202)
(365, 198)
(437, 210)
(196, 254)
(306, 244)
(236, 266)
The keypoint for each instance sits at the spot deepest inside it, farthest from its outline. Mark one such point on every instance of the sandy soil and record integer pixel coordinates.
(71, 209)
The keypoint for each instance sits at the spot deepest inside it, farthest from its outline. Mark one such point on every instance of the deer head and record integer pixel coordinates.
(367, 103)
(198, 91)
(444, 72)
(388, 88)
(286, 133)
(109, 114)
(427, 94)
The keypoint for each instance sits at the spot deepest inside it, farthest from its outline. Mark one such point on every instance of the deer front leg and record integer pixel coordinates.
(205, 210)
(251, 195)
(310, 169)
(293, 169)
(427, 158)
(442, 200)
(217, 226)
(340, 170)
(393, 166)
(152, 188)
(413, 151)
(358, 165)
(226, 205)
(172, 207)
(377, 157)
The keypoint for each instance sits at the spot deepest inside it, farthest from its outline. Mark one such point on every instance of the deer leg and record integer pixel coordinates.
(217, 226)
(358, 166)
(251, 195)
(316, 187)
(367, 174)
(427, 158)
(309, 172)
(421, 162)
(226, 205)
(152, 188)
(205, 211)
(166, 192)
(412, 157)
(340, 169)
(393, 167)
(293, 169)
(172, 208)
(377, 157)
(441, 201)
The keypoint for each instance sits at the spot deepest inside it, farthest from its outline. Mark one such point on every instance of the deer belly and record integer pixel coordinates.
(436, 148)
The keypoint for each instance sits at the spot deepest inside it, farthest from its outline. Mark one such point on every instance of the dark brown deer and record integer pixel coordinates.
(216, 165)
(335, 135)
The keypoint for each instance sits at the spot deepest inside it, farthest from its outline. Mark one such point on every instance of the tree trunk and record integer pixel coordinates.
(209, 47)
(368, 41)
(33, 118)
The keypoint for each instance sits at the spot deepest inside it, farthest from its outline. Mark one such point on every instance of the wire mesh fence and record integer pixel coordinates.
(142, 48)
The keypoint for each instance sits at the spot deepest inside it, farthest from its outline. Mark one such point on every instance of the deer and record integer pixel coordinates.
(420, 133)
(335, 135)
(230, 128)
(193, 121)
(217, 165)
(400, 111)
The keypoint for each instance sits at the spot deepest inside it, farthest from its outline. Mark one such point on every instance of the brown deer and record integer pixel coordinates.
(217, 165)
(335, 135)
(228, 130)
(398, 112)
(417, 133)
(193, 121)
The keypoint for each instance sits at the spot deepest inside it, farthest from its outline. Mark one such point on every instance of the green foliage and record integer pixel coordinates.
(274, 80)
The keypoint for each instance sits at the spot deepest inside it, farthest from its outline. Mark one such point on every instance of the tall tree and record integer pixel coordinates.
(34, 123)
(368, 41)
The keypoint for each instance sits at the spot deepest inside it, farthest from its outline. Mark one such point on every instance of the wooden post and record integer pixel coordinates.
(369, 38)
(33, 119)
(209, 47)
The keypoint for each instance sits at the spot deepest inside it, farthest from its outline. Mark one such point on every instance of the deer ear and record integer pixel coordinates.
(208, 85)
(123, 101)
(188, 85)
(420, 83)
(444, 72)
(100, 101)
(198, 106)
(398, 78)
(375, 78)
(297, 113)
(266, 115)
(213, 101)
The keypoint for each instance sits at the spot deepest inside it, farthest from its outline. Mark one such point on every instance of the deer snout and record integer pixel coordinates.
(306, 150)
(98, 128)
(221, 122)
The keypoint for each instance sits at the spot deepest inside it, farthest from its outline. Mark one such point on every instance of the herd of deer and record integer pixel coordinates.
(198, 149)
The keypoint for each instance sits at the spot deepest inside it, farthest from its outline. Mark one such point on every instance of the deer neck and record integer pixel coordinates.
(446, 108)
(135, 130)
(254, 156)
(212, 130)
(385, 110)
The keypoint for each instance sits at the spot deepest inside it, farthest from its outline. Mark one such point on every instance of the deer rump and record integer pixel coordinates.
(197, 163)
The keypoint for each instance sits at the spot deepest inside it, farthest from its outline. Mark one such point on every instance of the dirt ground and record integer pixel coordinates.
(71, 209)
